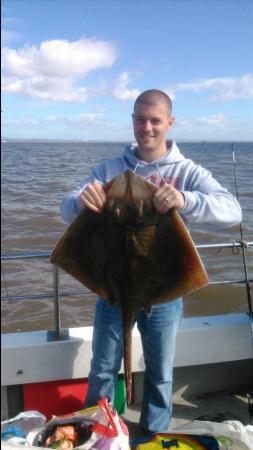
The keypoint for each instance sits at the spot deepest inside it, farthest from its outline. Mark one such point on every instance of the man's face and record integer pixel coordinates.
(151, 123)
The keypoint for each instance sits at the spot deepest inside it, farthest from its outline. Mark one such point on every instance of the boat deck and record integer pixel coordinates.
(192, 402)
(215, 407)
(213, 392)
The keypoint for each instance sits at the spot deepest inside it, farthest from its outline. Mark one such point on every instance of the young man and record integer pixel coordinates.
(199, 198)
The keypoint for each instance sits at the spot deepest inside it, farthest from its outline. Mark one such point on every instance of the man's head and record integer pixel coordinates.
(151, 121)
(152, 97)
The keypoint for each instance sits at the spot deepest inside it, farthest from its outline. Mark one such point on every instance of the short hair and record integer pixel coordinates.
(153, 96)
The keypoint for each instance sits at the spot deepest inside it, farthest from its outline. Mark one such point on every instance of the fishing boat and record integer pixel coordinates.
(47, 370)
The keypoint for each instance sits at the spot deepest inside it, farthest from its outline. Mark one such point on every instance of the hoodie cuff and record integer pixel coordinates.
(78, 206)
(189, 202)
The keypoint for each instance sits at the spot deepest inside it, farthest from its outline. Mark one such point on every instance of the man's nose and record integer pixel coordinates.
(147, 125)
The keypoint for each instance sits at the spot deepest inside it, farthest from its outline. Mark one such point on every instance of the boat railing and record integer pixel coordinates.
(58, 333)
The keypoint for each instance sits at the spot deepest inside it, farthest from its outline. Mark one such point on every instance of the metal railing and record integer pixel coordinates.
(58, 333)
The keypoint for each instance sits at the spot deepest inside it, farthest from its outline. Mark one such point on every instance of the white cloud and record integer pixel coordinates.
(223, 88)
(206, 123)
(49, 88)
(54, 70)
(219, 120)
(59, 58)
(213, 127)
(121, 90)
(81, 119)
(89, 120)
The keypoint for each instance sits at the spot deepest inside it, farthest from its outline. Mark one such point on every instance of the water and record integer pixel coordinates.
(35, 176)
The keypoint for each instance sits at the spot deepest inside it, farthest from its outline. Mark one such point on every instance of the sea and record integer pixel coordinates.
(35, 177)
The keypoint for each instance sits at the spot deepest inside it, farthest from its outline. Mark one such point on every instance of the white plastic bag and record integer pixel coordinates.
(241, 436)
(111, 433)
(23, 423)
(107, 431)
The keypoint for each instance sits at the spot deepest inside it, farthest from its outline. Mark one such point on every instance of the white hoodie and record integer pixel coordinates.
(206, 201)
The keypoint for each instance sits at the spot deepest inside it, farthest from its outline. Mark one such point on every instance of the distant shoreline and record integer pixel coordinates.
(101, 141)
(61, 141)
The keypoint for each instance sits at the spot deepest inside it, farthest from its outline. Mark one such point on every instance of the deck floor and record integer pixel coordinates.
(216, 407)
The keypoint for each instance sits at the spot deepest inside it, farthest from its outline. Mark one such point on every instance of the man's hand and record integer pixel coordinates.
(93, 197)
(167, 197)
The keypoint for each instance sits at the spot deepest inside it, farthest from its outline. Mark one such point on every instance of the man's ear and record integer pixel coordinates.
(171, 121)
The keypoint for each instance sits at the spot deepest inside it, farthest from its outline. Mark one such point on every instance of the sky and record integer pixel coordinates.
(72, 69)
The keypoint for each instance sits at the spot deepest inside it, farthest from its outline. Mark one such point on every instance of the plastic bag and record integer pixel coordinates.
(230, 434)
(95, 428)
(113, 435)
(15, 430)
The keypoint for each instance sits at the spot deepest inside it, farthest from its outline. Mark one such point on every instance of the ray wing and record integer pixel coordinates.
(165, 263)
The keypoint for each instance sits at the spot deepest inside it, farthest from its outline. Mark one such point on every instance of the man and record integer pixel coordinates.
(199, 198)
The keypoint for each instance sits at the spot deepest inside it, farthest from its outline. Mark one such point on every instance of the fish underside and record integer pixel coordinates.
(131, 255)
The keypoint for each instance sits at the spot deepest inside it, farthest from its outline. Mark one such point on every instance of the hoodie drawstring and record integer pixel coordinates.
(136, 165)
(162, 177)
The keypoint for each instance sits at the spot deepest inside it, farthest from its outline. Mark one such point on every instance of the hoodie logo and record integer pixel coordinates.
(158, 180)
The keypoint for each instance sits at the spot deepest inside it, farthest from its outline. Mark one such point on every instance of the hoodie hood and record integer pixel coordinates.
(172, 156)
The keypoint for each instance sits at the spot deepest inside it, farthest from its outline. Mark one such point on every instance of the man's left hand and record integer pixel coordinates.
(166, 197)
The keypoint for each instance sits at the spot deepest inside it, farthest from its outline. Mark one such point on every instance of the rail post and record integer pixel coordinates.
(57, 318)
(57, 333)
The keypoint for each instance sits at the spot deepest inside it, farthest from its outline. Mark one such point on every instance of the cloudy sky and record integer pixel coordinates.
(71, 69)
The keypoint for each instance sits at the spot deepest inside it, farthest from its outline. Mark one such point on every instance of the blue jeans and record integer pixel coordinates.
(158, 331)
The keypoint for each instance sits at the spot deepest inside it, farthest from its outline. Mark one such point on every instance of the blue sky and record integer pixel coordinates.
(73, 68)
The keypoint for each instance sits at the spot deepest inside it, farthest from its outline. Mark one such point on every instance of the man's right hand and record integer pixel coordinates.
(93, 197)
